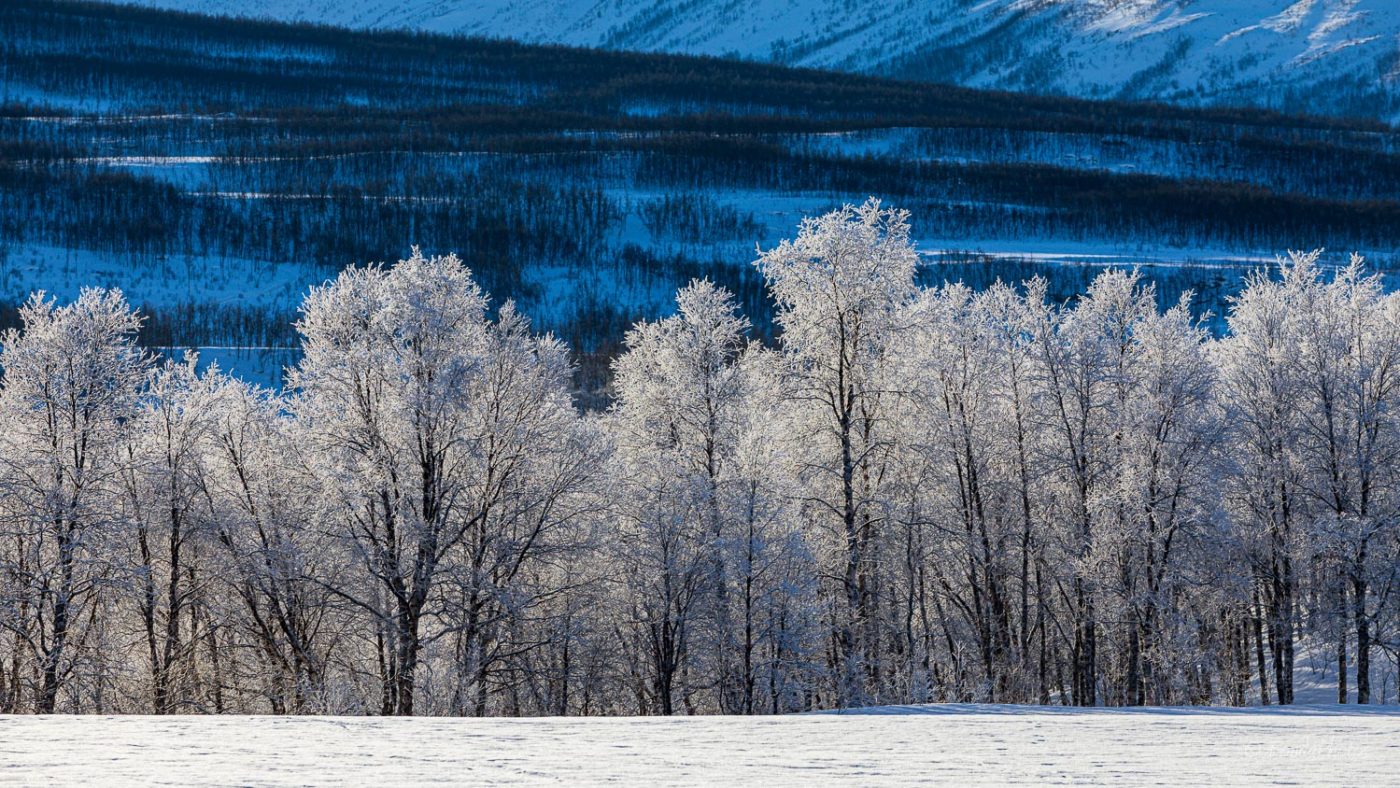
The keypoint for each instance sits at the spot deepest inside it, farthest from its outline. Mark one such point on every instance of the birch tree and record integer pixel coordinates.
(841, 287)
(72, 378)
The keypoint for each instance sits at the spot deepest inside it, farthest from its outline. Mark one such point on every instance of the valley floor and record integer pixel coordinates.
(954, 744)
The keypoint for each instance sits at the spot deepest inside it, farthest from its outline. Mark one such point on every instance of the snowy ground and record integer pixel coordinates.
(891, 745)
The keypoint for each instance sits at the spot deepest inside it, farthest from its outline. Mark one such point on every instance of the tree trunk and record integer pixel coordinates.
(1256, 619)
(1363, 636)
(48, 694)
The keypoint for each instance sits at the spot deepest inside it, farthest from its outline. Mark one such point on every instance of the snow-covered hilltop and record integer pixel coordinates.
(1322, 56)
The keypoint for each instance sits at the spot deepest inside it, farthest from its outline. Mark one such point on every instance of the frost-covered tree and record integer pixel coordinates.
(775, 597)
(528, 476)
(842, 287)
(72, 376)
(447, 446)
(1164, 497)
(680, 402)
(164, 506)
(279, 570)
(964, 529)
(387, 355)
(706, 498)
(1350, 438)
(1260, 388)
(1309, 367)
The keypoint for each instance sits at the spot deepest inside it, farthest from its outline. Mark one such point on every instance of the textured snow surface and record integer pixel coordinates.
(1186, 50)
(891, 745)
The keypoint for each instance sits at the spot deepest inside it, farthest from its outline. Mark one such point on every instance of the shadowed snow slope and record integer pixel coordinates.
(1302, 55)
(957, 744)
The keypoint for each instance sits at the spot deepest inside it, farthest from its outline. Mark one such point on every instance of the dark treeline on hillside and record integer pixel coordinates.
(331, 207)
(589, 185)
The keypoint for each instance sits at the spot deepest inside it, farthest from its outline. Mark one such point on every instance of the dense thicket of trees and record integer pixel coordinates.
(915, 494)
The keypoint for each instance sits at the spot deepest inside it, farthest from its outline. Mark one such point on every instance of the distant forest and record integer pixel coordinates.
(588, 185)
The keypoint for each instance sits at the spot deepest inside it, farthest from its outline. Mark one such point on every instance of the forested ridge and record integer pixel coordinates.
(914, 493)
(214, 169)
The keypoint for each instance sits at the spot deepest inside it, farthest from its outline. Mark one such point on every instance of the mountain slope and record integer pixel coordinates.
(215, 168)
(1320, 56)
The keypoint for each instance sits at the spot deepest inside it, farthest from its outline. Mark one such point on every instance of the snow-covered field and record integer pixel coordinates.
(950, 745)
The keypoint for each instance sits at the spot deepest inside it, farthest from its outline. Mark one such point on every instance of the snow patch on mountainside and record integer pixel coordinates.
(1317, 56)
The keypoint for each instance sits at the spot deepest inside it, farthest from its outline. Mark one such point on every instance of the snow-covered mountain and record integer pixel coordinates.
(1323, 56)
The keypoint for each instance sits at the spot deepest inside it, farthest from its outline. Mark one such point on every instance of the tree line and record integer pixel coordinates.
(912, 494)
(530, 212)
